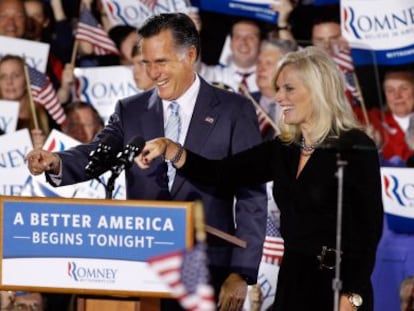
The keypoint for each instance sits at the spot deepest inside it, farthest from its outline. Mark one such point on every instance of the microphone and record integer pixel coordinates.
(102, 158)
(125, 158)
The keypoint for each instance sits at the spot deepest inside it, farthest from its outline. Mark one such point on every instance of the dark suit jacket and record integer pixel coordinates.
(223, 123)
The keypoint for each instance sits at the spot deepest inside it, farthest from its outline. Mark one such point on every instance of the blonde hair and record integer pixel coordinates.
(331, 111)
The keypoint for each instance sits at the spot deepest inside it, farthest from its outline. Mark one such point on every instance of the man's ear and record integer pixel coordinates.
(192, 54)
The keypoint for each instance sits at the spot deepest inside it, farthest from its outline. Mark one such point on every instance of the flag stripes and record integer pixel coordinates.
(343, 60)
(186, 274)
(273, 249)
(44, 94)
(89, 30)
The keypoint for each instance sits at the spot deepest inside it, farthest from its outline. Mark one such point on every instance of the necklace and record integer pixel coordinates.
(306, 150)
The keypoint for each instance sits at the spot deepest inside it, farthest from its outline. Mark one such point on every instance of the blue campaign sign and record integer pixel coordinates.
(116, 230)
(398, 56)
(245, 8)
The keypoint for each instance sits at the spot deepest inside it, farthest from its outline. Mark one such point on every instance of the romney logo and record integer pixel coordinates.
(349, 21)
(398, 191)
(91, 274)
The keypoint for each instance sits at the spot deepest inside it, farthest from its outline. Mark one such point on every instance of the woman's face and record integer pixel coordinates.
(293, 97)
(399, 93)
(12, 80)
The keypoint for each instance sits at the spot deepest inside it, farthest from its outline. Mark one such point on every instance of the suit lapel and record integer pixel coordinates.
(203, 120)
(152, 119)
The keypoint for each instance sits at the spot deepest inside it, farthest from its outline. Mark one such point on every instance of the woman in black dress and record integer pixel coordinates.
(317, 125)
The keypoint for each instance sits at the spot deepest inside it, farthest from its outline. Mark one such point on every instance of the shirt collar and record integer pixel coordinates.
(186, 100)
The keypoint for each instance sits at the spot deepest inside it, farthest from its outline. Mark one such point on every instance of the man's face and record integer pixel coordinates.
(245, 42)
(169, 67)
(327, 36)
(12, 19)
(399, 93)
(266, 69)
(37, 18)
(82, 125)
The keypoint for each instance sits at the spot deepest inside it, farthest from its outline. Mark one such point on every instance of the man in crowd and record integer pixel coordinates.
(83, 121)
(12, 18)
(270, 53)
(326, 34)
(246, 36)
(208, 121)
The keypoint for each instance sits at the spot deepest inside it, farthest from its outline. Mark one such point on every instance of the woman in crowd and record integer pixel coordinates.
(13, 87)
(317, 126)
(394, 123)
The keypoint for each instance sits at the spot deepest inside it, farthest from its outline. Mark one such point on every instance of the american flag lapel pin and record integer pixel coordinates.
(209, 120)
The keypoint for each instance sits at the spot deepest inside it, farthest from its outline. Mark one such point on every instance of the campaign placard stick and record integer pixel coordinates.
(74, 52)
(258, 107)
(31, 102)
(363, 107)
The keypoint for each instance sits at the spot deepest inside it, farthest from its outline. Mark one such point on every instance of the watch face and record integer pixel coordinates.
(356, 300)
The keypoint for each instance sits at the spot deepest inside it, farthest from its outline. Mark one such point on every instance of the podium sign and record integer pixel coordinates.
(89, 246)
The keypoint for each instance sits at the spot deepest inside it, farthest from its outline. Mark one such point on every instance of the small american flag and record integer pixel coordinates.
(89, 30)
(343, 60)
(273, 247)
(45, 95)
(186, 274)
(149, 3)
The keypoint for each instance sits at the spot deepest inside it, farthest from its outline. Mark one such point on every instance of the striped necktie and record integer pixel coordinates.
(243, 87)
(172, 131)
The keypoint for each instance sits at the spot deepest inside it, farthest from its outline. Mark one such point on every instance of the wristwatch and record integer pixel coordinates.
(355, 300)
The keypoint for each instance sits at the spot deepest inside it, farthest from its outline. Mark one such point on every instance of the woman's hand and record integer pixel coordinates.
(345, 304)
(159, 147)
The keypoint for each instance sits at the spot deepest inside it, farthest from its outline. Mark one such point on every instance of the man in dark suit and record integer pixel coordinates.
(213, 123)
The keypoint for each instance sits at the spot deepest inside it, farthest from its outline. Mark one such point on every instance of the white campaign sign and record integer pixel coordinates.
(102, 87)
(383, 26)
(135, 12)
(398, 198)
(9, 113)
(35, 53)
(13, 169)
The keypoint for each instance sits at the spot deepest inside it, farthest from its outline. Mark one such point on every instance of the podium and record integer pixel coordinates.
(93, 247)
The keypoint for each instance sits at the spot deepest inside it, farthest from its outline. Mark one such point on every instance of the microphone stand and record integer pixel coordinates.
(109, 187)
(336, 282)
